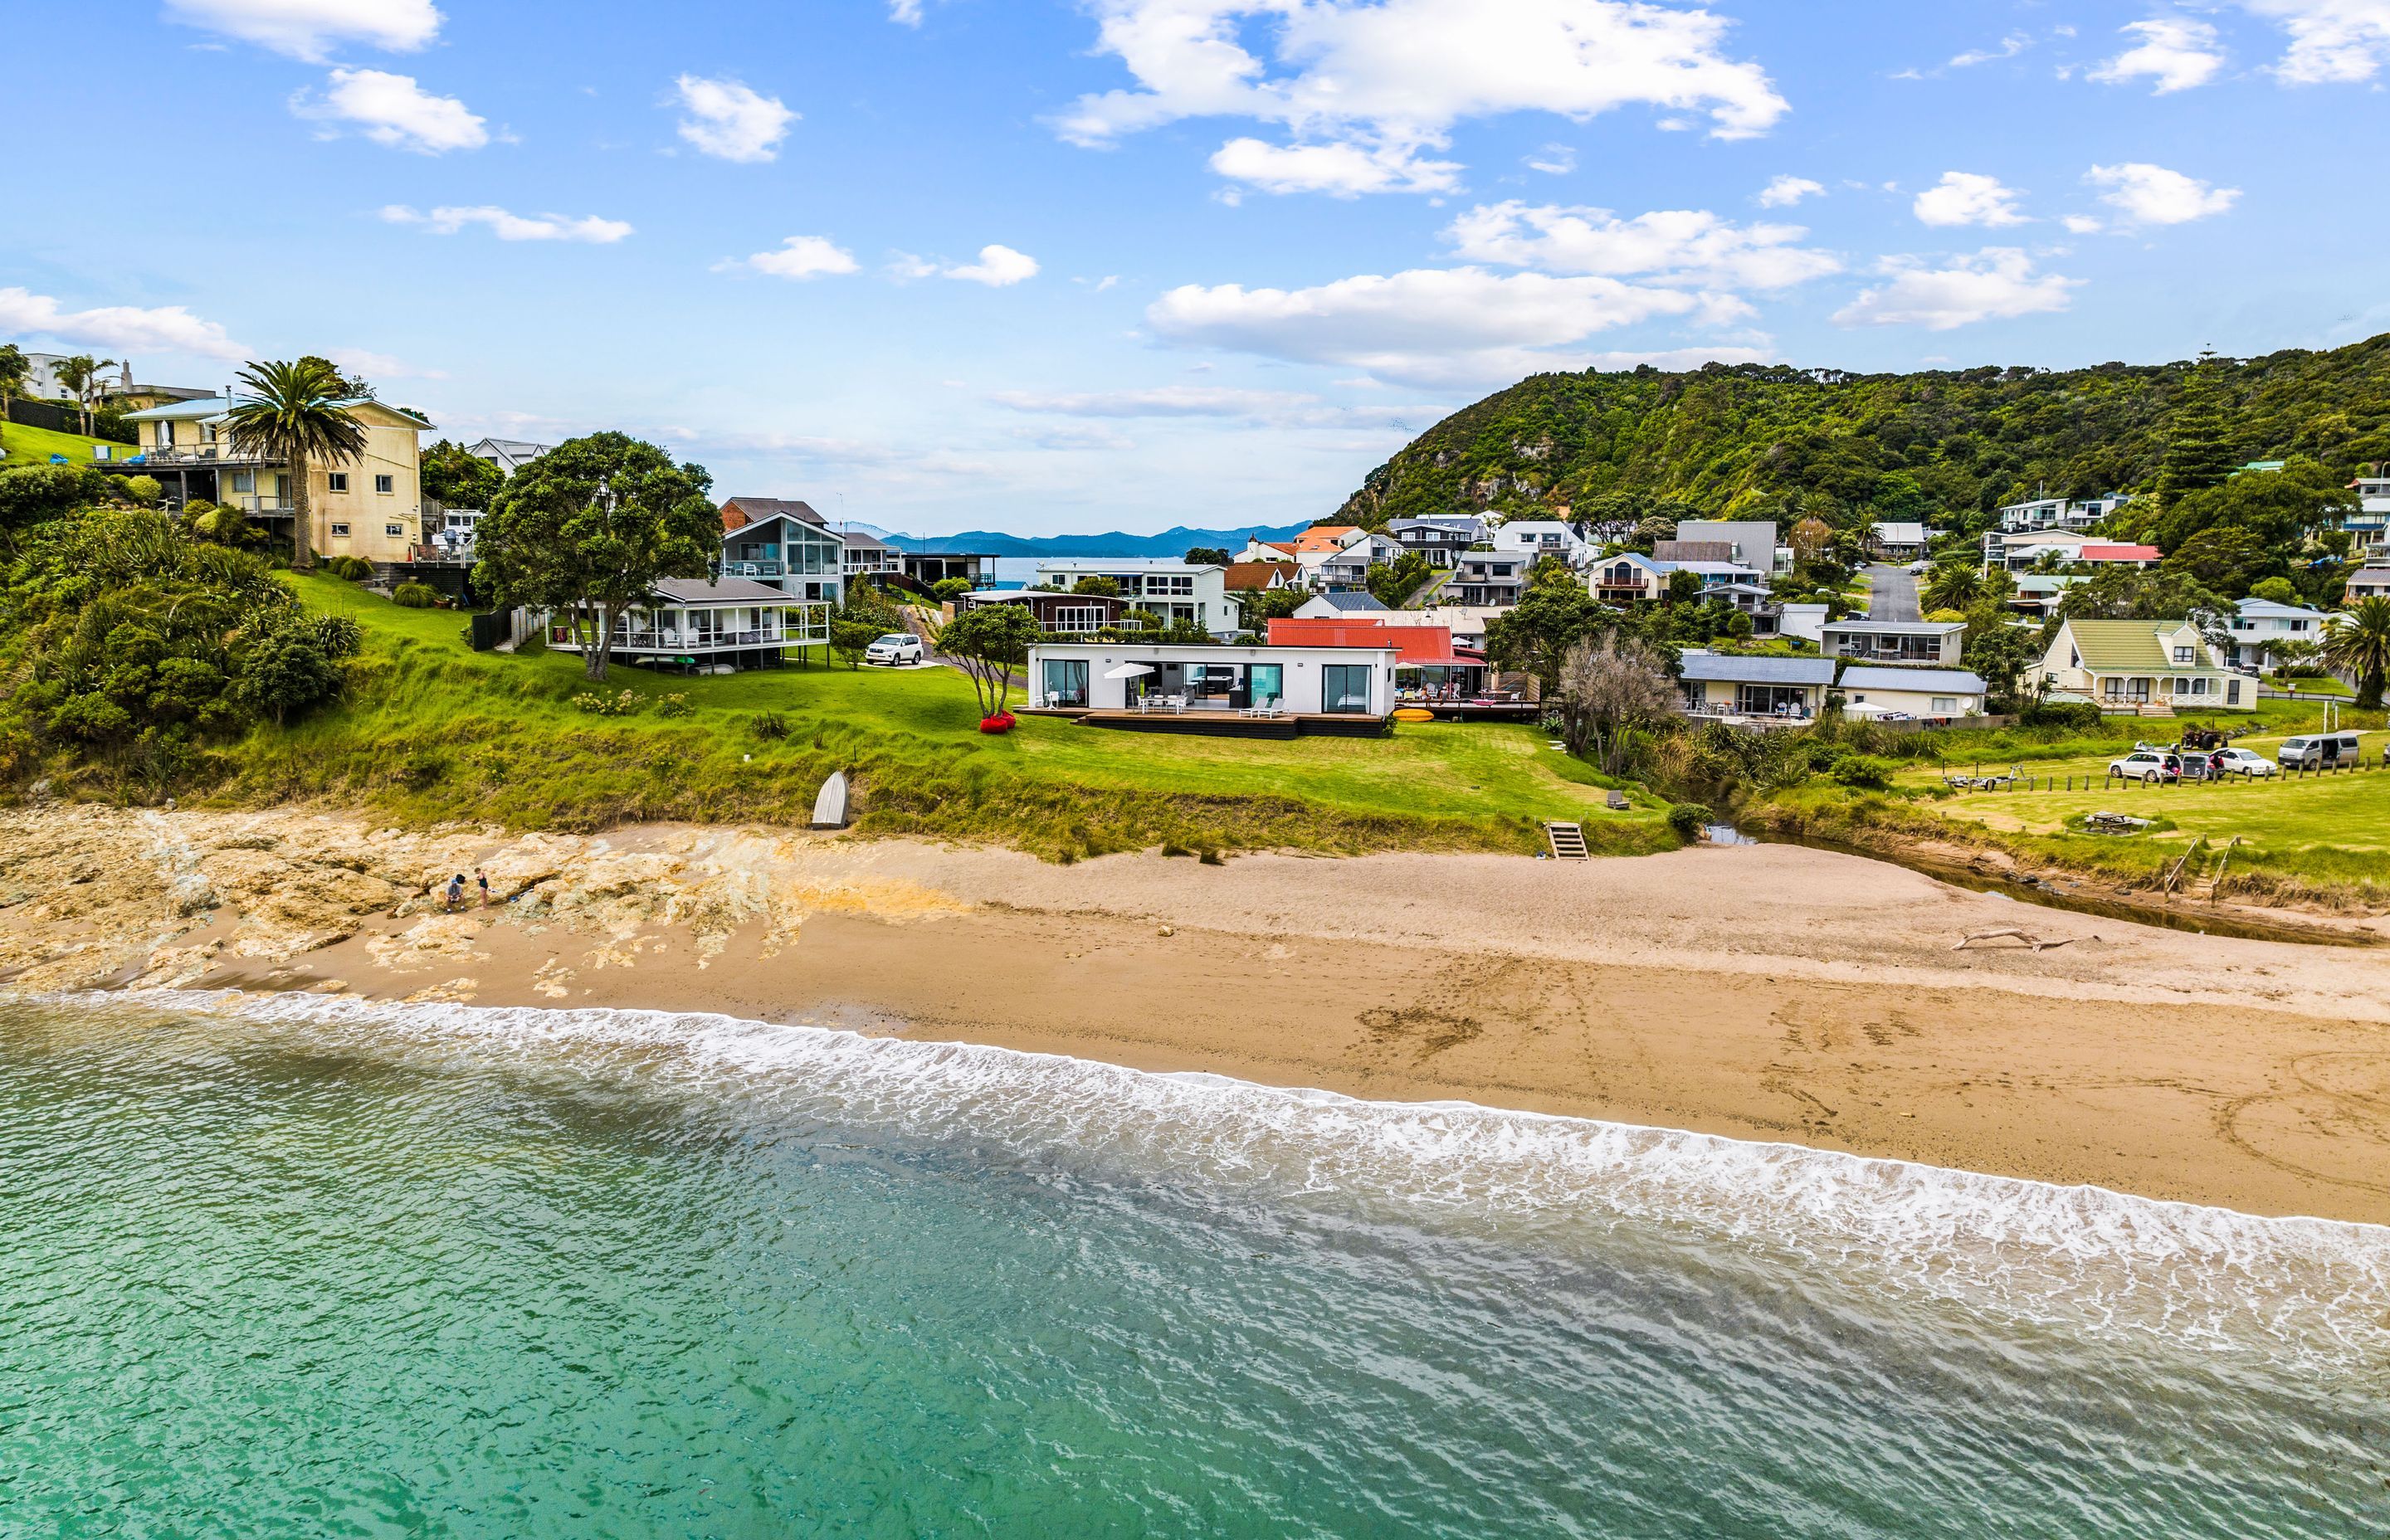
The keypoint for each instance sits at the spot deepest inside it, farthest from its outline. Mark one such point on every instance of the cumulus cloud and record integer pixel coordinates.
(116, 328)
(1383, 84)
(2152, 195)
(589, 229)
(730, 121)
(2176, 52)
(1785, 191)
(1428, 326)
(392, 110)
(998, 267)
(2010, 46)
(2331, 41)
(905, 13)
(801, 257)
(1553, 161)
(1339, 170)
(1995, 284)
(308, 28)
(1968, 198)
(1675, 246)
(2082, 225)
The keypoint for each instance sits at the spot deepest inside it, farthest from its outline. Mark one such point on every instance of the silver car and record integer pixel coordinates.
(897, 646)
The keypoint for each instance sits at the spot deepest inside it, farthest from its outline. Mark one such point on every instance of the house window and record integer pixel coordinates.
(244, 481)
(1945, 705)
(337, 481)
(2182, 654)
(394, 530)
(340, 531)
(385, 484)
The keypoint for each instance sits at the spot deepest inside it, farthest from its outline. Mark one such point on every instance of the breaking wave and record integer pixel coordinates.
(2082, 1258)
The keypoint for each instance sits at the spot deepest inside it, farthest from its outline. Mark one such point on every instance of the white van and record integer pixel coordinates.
(2318, 751)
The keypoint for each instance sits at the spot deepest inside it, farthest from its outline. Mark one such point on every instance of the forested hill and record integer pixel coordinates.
(1950, 445)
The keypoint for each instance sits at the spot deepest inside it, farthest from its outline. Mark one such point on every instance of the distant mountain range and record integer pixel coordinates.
(1172, 542)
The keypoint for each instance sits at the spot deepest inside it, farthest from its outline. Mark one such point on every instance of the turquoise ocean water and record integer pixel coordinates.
(308, 1267)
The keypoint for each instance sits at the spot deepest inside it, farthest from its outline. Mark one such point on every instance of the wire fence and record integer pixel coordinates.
(2016, 778)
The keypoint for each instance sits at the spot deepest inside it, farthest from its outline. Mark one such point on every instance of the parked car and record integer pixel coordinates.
(2148, 766)
(2244, 762)
(897, 646)
(2319, 751)
(1917, 568)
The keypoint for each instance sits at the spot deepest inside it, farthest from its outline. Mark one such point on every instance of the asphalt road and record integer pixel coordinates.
(1892, 594)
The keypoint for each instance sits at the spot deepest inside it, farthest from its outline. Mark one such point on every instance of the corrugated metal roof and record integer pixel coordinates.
(1355, 600)
(724, 591)
(1878, 628)
(1947, 681)
(1725, 670)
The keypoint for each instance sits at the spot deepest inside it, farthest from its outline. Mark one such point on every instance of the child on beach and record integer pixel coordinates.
(455, 892)
(483, 878)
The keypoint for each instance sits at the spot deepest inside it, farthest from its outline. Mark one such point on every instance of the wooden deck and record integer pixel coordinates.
(1217, 723)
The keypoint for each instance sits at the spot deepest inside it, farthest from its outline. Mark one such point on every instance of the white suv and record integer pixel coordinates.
(897, 646)
(2242, 762)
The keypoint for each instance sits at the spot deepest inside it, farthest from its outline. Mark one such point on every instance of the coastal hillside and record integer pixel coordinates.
(1949, 445)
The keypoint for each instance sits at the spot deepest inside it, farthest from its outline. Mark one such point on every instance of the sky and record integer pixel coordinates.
(1065, 267)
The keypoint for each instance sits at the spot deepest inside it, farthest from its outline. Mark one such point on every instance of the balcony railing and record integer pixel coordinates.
(681, 641)
(201, 453)
(755, 569)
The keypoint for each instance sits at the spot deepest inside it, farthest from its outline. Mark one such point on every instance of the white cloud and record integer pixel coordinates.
(1339, 170)
(730, 121)
(2082, 225)
(905, 13)
(1676, 246)
(1552, 160)
(801, 257)
(1428, 326)
(1785, 191)
(2332, 42)
(2152, 195)
(115, 328)
(2010, 46)
(380, 365)
(2175, 51)
(1995, 284)
(1968, 198)
(308, 28)
(512, 226)
(998, 267)
(1380, 82)
(1278, 408)
(391, 109)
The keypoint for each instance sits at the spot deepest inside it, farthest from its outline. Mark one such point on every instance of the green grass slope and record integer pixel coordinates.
(35, 445)
(433, 731)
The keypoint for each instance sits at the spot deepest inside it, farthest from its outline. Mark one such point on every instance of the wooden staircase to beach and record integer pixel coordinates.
(1567, 841)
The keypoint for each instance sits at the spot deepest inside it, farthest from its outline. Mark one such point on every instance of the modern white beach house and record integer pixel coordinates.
(1226, 691)
(697, 627)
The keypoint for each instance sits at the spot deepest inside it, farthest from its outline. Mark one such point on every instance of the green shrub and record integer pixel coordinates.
(415, 596)
(621, 704)
(1862, 772)
(144, 490)
(769, 725)
(674, 704)
(355, 569)
(1688, 819)
(2074, 717)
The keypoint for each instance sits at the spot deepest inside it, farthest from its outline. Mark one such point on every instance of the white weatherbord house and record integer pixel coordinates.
(1196, 594)
(2258, 625)
(1933, 694)
(700, 627)
(1717, 684)
(2147, 666)
(1540, 537)
(1894, 641)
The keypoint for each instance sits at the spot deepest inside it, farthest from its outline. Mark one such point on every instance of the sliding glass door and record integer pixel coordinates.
(1066, 681)
(1345, 689)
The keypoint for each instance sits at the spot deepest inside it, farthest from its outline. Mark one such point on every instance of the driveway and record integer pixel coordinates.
(1892, 594)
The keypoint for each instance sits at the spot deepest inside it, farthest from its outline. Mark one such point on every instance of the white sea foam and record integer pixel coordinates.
(2082, 1257)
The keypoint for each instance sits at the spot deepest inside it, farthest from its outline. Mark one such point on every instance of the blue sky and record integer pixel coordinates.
(1125, 264)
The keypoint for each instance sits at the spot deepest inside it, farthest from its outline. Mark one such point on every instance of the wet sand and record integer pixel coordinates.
(1767, 991)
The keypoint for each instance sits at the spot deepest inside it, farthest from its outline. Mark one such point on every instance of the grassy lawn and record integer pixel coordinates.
(432, 730)
(2328, 831)
(35, 445)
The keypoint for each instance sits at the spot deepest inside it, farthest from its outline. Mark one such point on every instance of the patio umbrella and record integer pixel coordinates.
(1127, 671)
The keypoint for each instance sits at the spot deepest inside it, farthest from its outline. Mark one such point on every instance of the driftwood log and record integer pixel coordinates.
(2010, 932)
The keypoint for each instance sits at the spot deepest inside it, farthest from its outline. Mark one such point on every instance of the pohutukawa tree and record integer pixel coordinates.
(292, 413)
(588, 528)
(1610, 689)
(991, 642)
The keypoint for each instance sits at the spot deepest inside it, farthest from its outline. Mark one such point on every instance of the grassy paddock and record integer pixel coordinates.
(433, 731)
(2317, 838)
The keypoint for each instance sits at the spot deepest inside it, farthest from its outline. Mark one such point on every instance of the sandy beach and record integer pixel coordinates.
(1765, 992)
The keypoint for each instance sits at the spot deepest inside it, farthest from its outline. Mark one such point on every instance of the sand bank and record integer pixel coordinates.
(1765, 992)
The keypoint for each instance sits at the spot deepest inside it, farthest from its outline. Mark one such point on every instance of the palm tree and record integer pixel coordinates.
(1953, 585)
(82, 375)
(2358, 643)
(14, 368)
(291, 414)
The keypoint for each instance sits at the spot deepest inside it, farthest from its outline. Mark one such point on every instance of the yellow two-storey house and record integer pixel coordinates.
(371, 508)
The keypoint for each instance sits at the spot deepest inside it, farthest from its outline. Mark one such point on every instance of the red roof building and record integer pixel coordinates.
(1415, 646)
(2144, 555)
